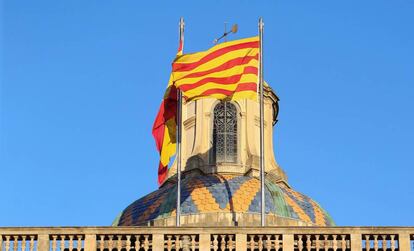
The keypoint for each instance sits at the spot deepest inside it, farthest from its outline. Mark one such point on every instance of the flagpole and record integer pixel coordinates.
(262, 161)
(179, 134)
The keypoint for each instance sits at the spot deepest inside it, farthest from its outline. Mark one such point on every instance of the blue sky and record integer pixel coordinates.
(81, 82)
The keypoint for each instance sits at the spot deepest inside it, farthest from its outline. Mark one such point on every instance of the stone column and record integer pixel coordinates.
(356, 242)
(404, 241)
(158, 242)
(204, 242)
(241, 242)
(90, 242)
(288, 242)
(43, 242)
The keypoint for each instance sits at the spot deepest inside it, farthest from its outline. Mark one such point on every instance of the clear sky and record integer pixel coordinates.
(81, 82)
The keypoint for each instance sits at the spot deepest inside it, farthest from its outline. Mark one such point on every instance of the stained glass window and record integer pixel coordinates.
(225, 132)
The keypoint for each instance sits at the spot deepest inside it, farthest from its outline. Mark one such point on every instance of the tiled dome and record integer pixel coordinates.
(223, 193)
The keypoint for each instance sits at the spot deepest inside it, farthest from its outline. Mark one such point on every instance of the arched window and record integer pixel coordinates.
(225, 133)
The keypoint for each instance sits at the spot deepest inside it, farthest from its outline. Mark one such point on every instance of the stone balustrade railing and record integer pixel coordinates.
(207, 239)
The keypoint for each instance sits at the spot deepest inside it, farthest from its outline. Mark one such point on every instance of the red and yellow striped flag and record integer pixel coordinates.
(226, 71)
(165, 126)
(164, 131)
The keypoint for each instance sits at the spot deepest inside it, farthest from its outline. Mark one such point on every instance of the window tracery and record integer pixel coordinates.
(225, 133)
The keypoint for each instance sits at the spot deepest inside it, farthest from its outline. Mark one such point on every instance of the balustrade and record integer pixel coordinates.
(208, 239)
(17, 242)
(127, 242)
(268, 242)
(181, 242)
(319, 242)
(380, 242)
(223, 242)
(66, 242)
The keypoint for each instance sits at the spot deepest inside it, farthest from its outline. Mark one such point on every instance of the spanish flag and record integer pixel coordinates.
(226, 71)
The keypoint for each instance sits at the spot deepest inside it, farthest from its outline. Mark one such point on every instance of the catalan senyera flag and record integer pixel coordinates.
(226, 71)
(165, 127)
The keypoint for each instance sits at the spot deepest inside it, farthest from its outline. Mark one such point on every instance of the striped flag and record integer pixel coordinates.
(226, 71)
(164, 129)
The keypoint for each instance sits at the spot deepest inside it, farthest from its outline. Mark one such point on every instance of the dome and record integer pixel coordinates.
(220, 164)
(218, 199)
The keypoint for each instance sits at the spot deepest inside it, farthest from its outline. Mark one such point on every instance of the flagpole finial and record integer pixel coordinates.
(181, 21)
(261, 23)
(181, 32)
(181, 25)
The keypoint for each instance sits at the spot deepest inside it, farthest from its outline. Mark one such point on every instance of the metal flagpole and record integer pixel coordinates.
(179, 135)
(262, 162)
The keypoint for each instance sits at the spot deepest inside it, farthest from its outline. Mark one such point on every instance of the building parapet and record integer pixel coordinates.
(206, 239)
